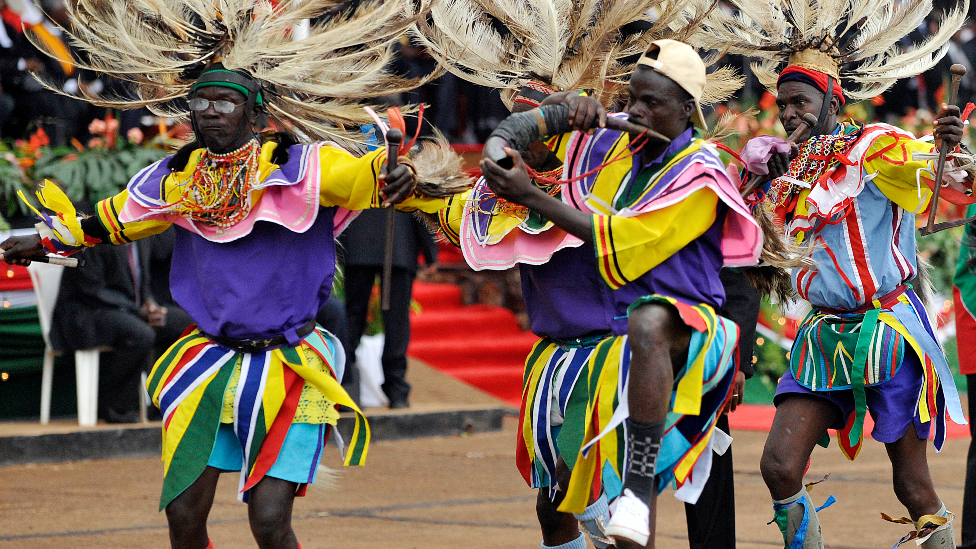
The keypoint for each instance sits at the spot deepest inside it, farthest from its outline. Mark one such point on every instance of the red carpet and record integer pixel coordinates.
(759, 417)
(483, 346)
(478, 344)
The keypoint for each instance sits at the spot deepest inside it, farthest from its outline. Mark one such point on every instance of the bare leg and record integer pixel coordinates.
(269, 511)
(187, 513)
(910, 475)
(557, 527)
(658, 341)
(799, 423)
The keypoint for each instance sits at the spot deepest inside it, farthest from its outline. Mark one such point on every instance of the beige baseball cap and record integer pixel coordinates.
(681, 63)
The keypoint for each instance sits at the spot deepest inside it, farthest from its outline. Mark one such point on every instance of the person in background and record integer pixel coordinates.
(364, 244)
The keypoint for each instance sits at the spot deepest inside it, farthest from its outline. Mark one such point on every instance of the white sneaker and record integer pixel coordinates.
(629, 519)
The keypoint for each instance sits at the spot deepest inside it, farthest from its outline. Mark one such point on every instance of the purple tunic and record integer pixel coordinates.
(262, 285)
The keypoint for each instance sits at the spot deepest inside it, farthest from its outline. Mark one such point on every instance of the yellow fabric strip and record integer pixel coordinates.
(530, 388)
(688, 396)
(687, 463)
(335, 393)
(635, 245)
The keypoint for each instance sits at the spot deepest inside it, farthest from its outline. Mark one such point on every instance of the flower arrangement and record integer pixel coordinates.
(93, 171)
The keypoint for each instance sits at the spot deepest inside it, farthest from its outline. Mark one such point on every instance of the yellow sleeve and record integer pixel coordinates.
(352, 182)
(451, 216)
(119, 233)
(896, 174)
(629, 247)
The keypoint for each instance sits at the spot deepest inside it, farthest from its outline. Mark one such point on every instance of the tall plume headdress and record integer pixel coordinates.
(310, 86)
(563, 45)
(855, 42)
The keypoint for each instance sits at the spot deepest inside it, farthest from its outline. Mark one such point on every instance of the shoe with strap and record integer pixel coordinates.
(629, 519)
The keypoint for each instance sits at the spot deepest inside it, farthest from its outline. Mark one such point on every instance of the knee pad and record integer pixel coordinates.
(593, 519)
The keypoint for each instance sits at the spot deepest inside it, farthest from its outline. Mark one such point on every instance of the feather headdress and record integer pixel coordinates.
(857, 42)
(311, 85)
(563, 44)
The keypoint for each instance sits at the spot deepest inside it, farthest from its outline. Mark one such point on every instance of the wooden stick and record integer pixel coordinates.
(393, 139)
(626, 125)
(808, 121)
(957, 71)
(54, 260)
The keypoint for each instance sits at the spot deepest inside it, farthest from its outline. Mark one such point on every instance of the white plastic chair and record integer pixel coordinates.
(46, 279)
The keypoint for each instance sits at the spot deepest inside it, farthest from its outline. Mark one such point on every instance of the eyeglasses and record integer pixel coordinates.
(199, 104)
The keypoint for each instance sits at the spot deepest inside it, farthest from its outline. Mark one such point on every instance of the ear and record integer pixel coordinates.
(688, 108)
(834, 105)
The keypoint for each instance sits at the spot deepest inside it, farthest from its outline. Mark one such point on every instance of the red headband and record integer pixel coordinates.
(816, 79)
(533, 93)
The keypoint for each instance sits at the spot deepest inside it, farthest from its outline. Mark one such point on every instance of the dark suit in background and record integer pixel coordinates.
(99, 306)
(363, 244)
(711, 521)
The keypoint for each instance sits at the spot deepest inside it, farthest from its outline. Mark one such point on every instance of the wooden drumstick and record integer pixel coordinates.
(54, 260)
(957, 71)
(393, 139)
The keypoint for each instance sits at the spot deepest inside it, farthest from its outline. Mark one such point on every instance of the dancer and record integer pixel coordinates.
(850, 195)
(596, 49)
(583, 277)
(253, 387)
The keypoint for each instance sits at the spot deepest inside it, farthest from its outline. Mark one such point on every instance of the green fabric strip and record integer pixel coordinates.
(260, 433)
(868, 325)
(570, 438)
(193, 452)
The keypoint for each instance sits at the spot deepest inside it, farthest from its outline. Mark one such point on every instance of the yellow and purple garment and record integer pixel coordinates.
(853, 196)
(662, 228)
(701, 389)
(263, 277)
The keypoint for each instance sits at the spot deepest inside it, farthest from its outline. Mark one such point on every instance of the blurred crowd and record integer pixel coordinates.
(464, 112)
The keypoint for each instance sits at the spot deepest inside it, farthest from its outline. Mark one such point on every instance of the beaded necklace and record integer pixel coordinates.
(817, 155)
(219, 192)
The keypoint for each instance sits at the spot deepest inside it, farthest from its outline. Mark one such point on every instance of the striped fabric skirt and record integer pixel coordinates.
(196, 381)
(574, 404)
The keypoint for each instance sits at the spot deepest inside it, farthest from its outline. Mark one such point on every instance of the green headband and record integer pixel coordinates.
(230, 79)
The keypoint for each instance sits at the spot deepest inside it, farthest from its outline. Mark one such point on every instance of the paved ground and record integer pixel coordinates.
(433, 493)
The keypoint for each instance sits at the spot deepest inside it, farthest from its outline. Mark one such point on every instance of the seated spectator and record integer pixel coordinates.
(160, 258)
(107, 303)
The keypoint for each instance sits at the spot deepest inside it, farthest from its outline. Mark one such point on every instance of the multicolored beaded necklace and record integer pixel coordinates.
(219, 193)
(817, 155)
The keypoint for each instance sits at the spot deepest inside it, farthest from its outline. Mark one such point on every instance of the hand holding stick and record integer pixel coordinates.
(809, 121)
(54, 260)
(393, 139)
(957, 71)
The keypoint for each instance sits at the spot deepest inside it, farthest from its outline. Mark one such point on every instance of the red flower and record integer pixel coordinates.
(39, 139)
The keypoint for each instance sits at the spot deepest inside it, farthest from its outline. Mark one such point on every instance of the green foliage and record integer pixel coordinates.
(96, 173)
(12, 179)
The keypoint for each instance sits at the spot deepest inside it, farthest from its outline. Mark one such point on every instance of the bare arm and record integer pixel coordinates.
(516, 186)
